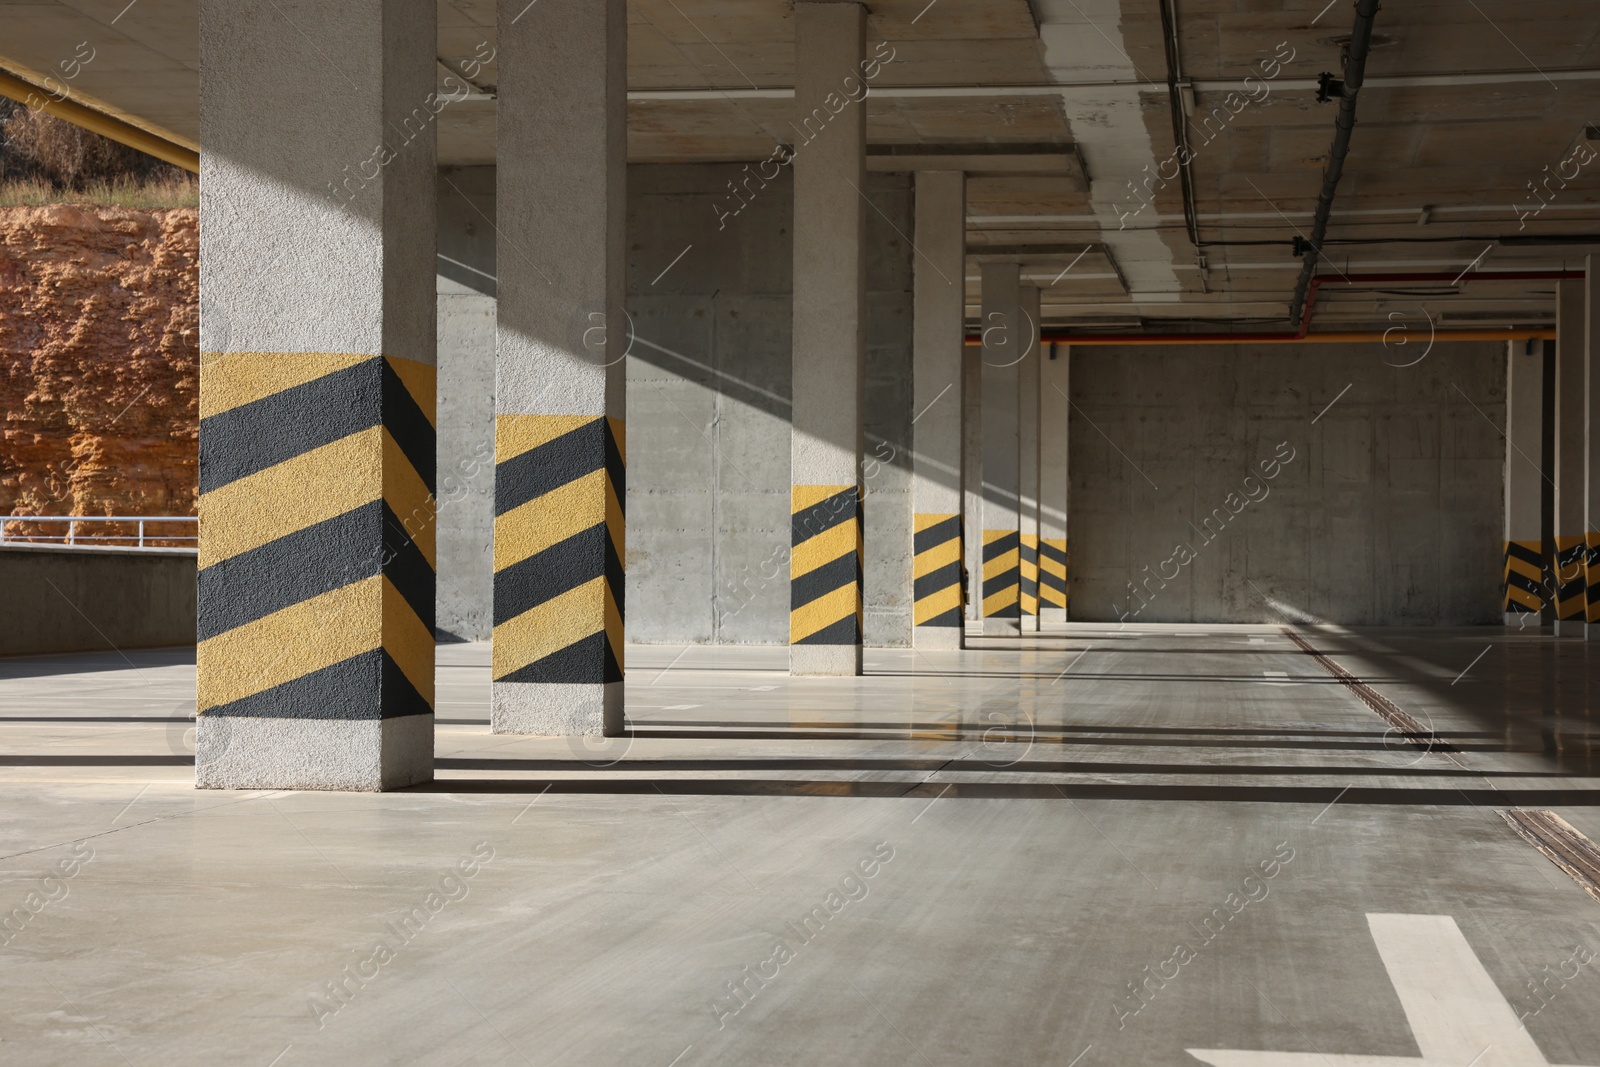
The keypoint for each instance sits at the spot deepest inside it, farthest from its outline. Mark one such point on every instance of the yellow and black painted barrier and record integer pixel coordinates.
(1002, 574)
(558, 549)
(936, 570)
(317, 535)
(1591, 577)
(1053, 572)
(1028, 575)
(1524, 578)
(825, 565)
(1571, 598)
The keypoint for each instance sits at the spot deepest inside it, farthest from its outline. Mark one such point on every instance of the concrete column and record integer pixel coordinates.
(1053, 410)
(1591, 451)
(316, 582)
(972, 479)
(1004, 347)
(937, 348)
(1028, 381)
(1524, 576)
(829, 351)
(560, 343)
(1570, 473)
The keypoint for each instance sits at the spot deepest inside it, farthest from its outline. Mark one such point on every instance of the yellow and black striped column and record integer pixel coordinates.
(1524, 580)
(825, 605)
(1052, 573)
(1028, 574)
(316, 579)
(936, 573)
(559, 546)
(1002, 575)
(1591, 580)
(1571, 580)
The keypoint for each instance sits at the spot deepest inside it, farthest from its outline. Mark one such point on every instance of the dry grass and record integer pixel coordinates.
(130, 194)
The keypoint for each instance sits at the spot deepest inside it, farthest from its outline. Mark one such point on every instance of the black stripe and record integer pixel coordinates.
(587, 661)
(407, 568)
(1030, 553)
(1515, 608)
(936, 581)
(1570, 557)
(813, 585)
(842, 632)
(822, 516)
(362, 688)
(941, 532)
(1052, 581)
(410, 428)
(616, 470)
(944, 618)
(1004, 580)
(265, 432)
(1029, 587)
(1527, 555)
(1524, 583)
(563, 566)
(1051, 552)
(1001, 545)
(550, 466)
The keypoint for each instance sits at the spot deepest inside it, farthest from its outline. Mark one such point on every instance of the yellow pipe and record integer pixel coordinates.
(1372, 336)
(99, 122)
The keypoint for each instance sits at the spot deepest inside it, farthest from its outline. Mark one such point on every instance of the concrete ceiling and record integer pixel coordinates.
(1464, 108)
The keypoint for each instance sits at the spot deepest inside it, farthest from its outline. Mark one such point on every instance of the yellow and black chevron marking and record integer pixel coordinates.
(1053, 572)
(1571, 601)
(558, 549)
(1028, 572)
(936, 570)
(316, 580)
(1591, 577)
(1002, 574)
(825, 565)
(1524, 564)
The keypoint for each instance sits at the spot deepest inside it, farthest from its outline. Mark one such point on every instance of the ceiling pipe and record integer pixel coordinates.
(1303, 335)
(115, 129)
(1355, 69)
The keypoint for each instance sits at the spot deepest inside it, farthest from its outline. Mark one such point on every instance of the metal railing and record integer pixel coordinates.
(73, 535)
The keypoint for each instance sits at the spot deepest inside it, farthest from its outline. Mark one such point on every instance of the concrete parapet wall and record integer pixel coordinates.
(94, 599)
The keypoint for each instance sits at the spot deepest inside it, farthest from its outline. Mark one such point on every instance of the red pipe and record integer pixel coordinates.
(1304, 332)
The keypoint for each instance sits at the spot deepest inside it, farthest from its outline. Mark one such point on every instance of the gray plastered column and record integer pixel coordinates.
(825, 563)
(1524, 591)
(937, 377)
(317, 395)
(1028, 381)
(561, 339)
(1004, 348)
(972, 480)
(1054, 361)
(1591, 450)
(1570, 473)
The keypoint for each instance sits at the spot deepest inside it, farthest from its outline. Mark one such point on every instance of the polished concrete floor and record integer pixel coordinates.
(1089, 847)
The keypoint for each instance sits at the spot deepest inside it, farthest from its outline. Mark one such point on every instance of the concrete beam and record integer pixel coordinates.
(825, 567)
(316, 581)
(560, 346)
(938, 343)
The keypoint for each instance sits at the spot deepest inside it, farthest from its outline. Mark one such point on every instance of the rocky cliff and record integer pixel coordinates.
(99, 364)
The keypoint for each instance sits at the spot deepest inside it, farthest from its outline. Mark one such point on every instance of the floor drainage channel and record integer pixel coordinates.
(1561, 842)
(1412, 730)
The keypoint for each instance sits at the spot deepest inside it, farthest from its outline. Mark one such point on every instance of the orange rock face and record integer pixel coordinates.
(99, 362)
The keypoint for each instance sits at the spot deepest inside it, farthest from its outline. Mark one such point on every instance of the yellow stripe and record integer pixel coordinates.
(824, 611)
(408, 497)
(1523, 597)
(422, 382)
(291, 643)
(1053, 567)
(516, 434)
(1003, 599)
(408, 641)
(233, 379)
(616, 526)
(549, 519)
(806, 496)
(1522, 567)
(824, 548)
(614, 629)
(619, 433)
(291, 495)
(1006, 561)
(938, 556)
(548, 627)
(938, 603)
(924, 519)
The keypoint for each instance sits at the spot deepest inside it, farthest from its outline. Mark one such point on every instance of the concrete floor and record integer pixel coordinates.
(1045, 821)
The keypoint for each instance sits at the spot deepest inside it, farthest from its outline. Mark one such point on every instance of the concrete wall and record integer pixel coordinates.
(94, 600)
(1389, 513)
(708, 405)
